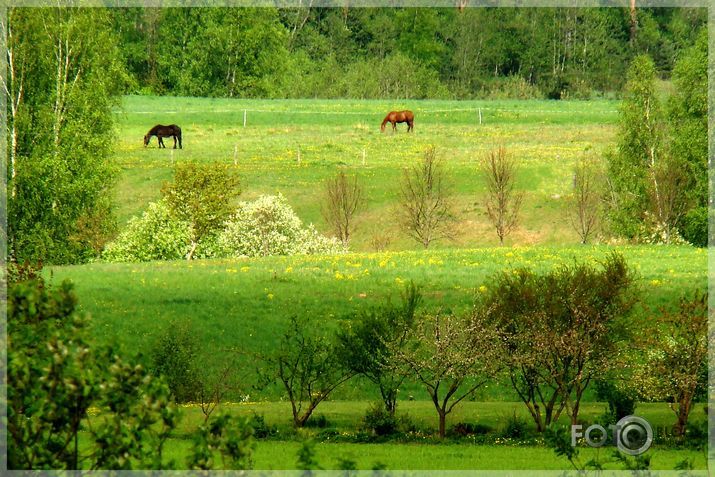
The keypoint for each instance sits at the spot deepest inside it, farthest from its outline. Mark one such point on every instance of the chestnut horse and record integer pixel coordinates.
(395, 117)
(164, 131)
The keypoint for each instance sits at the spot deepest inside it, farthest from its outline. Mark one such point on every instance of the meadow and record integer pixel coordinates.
(239, 307)
(292, 146)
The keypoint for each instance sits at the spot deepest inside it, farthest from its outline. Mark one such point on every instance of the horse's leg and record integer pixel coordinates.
(394, 126)
(180, 141)
(161, 142)
(174, 136)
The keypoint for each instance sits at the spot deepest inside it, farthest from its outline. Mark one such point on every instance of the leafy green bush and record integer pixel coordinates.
(174, 357)
(156, 235)
(268, 226)
(694, 228)
(463, 429)
(379, 421)
(513, 87)
(55, 374)
(620, 402)
(515, 427)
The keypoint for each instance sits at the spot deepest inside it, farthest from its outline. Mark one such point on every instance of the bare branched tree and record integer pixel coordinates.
(585, 206)
(502, 201)
(425, 206)
(343, 197)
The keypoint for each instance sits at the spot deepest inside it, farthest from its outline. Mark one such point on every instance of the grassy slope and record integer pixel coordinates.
(546, 137)
(244, 304)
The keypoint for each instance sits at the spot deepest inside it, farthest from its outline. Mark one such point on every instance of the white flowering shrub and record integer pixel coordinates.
(156, 235)
(653, 232)
(268, 226)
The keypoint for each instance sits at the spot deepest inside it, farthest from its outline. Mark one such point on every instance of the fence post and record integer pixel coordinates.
(172, 156)
(245, 112)
(480, 115)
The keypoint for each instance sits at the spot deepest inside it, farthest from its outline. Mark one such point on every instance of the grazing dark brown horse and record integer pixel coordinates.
(395, 117)
(164, 131)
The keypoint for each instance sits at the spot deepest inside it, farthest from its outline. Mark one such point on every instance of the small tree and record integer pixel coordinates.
(368, 344)
(201, 195)
(174, 358)
(343, 197)
(559, 331)
(675, 367)
(451, 357)
(425, 207)
(586, 200)
(502, 201)
(307, 367)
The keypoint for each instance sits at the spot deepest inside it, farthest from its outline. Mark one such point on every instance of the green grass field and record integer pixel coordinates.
(243, 304)
(545, 137)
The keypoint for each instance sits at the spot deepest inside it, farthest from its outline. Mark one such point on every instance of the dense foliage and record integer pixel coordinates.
(357, 52)
(65, 71)
(55, 374)
(266, 226)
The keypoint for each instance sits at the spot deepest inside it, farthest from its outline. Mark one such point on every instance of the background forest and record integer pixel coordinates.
(355, 52)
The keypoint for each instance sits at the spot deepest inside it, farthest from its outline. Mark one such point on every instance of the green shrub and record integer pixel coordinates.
(174, 357)
(267, 226)
(515, 428)
(55, 374)
(620, 402)
(463, 429)
(513, 87)
(318, 421)
(694, 228)
(379, 421)
(261, 429)
(156, 235)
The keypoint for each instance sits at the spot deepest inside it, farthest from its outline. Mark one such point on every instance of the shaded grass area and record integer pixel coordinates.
(239, 307)
(292, 146)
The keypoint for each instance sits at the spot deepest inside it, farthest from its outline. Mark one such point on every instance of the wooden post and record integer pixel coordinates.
(235, 154)
(480, 115)
(245, 112)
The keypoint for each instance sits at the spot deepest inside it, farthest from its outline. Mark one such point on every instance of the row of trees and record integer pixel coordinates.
(354, 52)
(549, 335)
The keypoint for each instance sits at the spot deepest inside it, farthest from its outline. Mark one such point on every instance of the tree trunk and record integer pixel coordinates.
(442, 423)
(634, 22)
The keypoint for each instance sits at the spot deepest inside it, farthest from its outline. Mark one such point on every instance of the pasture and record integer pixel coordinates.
(239, 307)
(292, 146)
